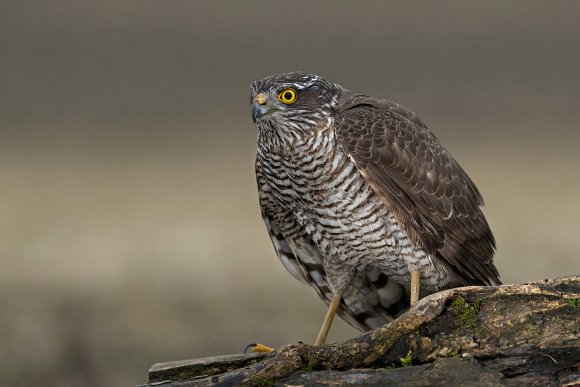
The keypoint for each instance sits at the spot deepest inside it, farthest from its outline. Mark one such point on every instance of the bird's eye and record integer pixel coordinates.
(287, 96)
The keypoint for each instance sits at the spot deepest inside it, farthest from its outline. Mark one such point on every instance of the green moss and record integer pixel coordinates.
(265, 382)
(574, 302)
(307, 368)
(407, 360)
(465, 312)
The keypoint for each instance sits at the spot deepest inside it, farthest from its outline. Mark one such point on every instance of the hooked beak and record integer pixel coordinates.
(259, 107)
(257, 111)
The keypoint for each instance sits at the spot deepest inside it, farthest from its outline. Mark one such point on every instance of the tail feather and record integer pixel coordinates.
(373, 300)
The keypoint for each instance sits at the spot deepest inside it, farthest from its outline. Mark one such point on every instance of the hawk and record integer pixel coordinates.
(362, 202)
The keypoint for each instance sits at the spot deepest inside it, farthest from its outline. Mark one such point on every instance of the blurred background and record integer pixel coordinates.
(130, 231)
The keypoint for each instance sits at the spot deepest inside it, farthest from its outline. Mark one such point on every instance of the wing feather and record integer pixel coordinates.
(428, 191)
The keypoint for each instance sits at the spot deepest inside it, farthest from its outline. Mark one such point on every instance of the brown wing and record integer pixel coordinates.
(429, 192)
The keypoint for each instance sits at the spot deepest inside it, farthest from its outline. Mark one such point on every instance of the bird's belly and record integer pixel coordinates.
(349, 223)
(359, 230)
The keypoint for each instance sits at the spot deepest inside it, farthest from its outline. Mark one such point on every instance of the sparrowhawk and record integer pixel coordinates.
(362, 202)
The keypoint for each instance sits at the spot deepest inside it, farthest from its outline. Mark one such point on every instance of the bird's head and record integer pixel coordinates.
(295, 102)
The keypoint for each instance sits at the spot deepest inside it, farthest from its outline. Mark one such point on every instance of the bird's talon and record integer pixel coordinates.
(257, 347)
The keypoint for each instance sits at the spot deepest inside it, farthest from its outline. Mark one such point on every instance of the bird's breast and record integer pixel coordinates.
(308, 172)
(320, 185)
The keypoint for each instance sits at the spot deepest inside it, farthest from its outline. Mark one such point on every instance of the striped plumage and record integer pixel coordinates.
(357, 192)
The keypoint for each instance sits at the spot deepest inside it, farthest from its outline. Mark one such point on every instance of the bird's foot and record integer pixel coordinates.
(257, 347)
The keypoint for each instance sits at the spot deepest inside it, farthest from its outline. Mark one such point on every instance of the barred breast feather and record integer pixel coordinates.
(373, 298)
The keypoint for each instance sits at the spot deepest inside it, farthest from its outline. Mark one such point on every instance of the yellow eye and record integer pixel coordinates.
(287, 96)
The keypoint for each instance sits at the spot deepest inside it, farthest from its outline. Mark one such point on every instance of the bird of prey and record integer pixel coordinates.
(362, 202)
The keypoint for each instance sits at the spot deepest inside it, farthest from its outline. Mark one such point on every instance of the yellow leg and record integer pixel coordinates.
(330, 313)
(415, 281)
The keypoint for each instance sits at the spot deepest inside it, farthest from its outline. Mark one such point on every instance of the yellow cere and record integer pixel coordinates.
(261, 99)
(287, 96)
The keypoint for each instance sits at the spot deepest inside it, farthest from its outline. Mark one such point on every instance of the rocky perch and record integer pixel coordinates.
(511, 335)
